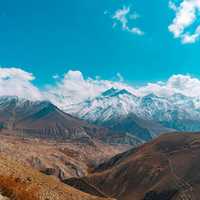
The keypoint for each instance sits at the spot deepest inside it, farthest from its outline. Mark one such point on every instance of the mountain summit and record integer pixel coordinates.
(177, 112)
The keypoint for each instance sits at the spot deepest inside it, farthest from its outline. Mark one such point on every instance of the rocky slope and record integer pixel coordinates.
(62, 159)
(19, 182)
(167, 168)
(140, 128)
(42, 119)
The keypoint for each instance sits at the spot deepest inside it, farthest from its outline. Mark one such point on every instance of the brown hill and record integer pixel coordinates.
(18, 182)
(42, 119)
(165, 169)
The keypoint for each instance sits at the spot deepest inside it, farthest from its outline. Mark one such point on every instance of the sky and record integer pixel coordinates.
(136, 41)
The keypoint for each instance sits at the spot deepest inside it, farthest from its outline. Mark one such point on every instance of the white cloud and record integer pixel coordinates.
(172, 6)
(16, 82)
(191, 38)
(186, 14)
(136, 31)
(184, 84)
(73, 87)
(123, 16)
(9, 73)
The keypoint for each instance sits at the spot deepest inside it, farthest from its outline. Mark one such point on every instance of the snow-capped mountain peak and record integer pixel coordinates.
(111, 103)
(112, 92)
(177, 111)
(18, 104)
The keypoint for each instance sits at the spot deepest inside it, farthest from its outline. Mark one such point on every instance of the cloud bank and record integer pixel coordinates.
(186, 14)
(183, 84)
(73, 87)
(17, 82)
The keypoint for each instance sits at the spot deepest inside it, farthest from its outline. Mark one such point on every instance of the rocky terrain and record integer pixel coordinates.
(164, 169)
(62, 159)
(18, 182)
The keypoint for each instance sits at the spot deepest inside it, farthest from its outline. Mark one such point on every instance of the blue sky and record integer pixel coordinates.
(51, 37)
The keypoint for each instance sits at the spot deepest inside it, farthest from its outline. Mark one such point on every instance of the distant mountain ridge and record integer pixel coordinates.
(176, 112)
(42, 119)
(135, 119)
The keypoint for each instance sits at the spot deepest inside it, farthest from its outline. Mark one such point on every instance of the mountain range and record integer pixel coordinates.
(135, 119)
(148, 115)
(42, 119)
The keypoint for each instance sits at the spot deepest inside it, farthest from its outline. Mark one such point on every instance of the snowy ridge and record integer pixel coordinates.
(177, 111)
(22, 105)
(109, 104)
